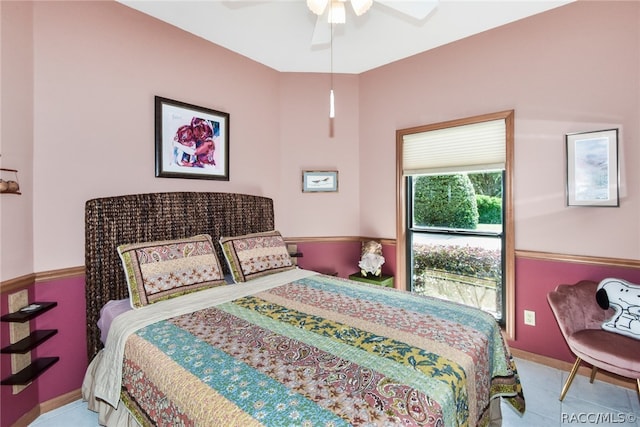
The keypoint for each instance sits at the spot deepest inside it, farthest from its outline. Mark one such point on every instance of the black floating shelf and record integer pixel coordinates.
(31, 372)
(23, 316)
(29, 343)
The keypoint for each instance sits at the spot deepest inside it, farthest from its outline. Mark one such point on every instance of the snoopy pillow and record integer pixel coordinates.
(624, 298)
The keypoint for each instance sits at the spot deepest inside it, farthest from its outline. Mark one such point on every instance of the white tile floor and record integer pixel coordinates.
(600, 403)
(597, 404)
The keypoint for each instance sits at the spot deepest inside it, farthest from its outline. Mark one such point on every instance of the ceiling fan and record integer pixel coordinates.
(333, 12)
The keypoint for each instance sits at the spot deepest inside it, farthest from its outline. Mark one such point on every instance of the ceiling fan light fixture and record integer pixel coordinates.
(361, 6)
(337, 13)
(317, 6)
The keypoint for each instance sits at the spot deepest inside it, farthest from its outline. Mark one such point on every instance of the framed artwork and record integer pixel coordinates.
(319, 181)
(592, 168)
(191, 141)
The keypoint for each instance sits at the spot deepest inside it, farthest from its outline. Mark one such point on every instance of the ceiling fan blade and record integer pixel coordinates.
(321, 31)
(416, 9)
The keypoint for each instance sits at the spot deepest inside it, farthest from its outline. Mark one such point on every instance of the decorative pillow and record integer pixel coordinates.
(624, 298)
(255, 255)
(160, 270)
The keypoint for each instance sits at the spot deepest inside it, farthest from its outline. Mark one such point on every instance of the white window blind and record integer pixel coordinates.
(465, 148)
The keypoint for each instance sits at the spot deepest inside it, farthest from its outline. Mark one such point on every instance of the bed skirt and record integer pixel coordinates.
(107, 414)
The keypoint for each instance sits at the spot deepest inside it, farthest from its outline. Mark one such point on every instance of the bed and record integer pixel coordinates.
(281, 345)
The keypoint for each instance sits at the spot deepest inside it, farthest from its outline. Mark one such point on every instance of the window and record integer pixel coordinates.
(455, 215)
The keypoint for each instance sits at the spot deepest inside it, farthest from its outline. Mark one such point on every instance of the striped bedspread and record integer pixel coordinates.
(320, 351)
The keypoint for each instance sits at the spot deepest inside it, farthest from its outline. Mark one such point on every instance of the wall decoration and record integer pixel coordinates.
(592, 168)
(319, 181)
(9, 185)
(191, 141)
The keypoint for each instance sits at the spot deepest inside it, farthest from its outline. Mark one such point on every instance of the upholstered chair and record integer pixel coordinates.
(580, 318)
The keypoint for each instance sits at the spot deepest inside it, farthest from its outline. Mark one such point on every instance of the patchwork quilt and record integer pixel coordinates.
(320, 351)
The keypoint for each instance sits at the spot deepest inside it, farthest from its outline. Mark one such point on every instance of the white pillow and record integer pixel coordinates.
(624, 298)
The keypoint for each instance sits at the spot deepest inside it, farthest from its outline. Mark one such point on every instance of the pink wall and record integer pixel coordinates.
(330, 257)
(96, 81)
(94, 135)
(341, 257)
(69, 344)
(534, 279)
(16, 137)
(70, 341)
(307, 145)
(574, 68)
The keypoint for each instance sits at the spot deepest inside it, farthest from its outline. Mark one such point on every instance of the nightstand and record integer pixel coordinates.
(374, 280)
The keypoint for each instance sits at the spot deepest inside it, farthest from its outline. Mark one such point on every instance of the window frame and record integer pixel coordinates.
(508, 222)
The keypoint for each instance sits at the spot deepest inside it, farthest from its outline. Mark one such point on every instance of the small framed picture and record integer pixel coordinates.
(319, 181)
(191, 141)
(592, 168)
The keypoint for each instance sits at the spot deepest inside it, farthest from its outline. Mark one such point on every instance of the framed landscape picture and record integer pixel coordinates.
(592, 168)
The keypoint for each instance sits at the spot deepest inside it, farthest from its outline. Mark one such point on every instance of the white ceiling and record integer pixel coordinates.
(277, 33)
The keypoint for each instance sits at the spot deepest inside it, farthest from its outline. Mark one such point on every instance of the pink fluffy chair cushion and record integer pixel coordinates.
(612, 352)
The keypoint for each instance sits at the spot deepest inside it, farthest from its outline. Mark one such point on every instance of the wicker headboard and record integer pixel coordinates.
(112, 221)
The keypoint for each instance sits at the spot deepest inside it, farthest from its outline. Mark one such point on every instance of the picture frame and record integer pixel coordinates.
(592, 168)
(190, 141)
(319, 181)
